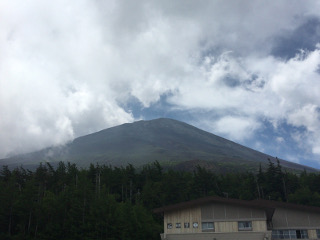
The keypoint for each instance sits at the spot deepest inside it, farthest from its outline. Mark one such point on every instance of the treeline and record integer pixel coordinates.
(104, 202)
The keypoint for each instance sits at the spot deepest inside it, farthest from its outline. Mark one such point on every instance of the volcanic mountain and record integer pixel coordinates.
(172, 143)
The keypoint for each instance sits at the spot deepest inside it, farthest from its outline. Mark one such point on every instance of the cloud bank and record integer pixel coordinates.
(69, 68)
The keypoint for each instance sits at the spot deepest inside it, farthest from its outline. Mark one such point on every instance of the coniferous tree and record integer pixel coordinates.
(104, 202)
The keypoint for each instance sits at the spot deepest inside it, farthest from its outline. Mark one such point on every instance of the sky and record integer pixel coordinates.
(248, 71)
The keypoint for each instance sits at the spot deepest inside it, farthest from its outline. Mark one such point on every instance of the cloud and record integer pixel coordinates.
(236, 128)
(280, 140)
(53, 81)
(306, 36)
(307, 117)
(244, 93)
(69, 68)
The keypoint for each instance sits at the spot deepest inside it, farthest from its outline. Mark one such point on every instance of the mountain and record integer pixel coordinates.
(172, 143)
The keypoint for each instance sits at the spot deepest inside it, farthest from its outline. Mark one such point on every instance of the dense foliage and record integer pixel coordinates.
(104, 202)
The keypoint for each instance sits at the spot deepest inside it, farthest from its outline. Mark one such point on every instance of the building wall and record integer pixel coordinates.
(295, 219)
(232, 226)
(312, 234)
(259, 226)
(220, 236)
(225, 218)
(223, 212)
(292, 219)
(189, 215)
(226, 226)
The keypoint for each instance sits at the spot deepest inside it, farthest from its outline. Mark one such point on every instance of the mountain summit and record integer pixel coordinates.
(170, 142)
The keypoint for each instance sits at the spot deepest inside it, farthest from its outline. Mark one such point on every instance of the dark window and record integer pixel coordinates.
(207, 226)
(245, 226)
(302, 234)
(186, 225)
(169, 225)
(178, 225)
(318, 233)
(290, 234)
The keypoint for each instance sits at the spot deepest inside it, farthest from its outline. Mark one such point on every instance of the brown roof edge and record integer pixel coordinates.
(215, 199)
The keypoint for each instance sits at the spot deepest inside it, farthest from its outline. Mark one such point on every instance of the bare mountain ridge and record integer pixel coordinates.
(173, 143)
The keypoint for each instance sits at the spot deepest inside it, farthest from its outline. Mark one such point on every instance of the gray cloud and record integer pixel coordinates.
(305, 37)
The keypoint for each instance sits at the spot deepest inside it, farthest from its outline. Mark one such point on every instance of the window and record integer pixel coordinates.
(318, 233)
(186, 225)
(245, 226)
(302, 234)
(290, 234)
(207, 226)
(284, 234)
(169, 226)
(178, 225)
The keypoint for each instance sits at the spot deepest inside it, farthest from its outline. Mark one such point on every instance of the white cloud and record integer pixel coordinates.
(308, 116)
(234, 128)
(265, 88)
(316, 147)
(280, 139)
(53, 81)
(292, 158)
(66, 68)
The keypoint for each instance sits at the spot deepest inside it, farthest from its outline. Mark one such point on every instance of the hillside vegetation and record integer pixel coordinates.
(104, 202)
(172, 143)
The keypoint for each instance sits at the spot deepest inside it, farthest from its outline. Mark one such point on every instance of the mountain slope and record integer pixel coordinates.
(168, 141)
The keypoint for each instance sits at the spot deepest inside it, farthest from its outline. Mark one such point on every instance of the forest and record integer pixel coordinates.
(105, 202)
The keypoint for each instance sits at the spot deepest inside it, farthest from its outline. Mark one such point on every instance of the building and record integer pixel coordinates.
(217, 218)
(292, 221)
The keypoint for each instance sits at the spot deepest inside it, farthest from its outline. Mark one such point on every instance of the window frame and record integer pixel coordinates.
(303, 233)
(245, 228)
(207, 228)
(290, 234)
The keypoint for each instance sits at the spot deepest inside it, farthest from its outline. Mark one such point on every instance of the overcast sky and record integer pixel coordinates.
(248, 71)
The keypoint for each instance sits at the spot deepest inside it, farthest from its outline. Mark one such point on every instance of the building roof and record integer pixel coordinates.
(213, 199)
(267, 205)
(276, 204)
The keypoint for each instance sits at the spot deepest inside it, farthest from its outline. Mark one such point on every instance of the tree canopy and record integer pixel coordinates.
(104, 202)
